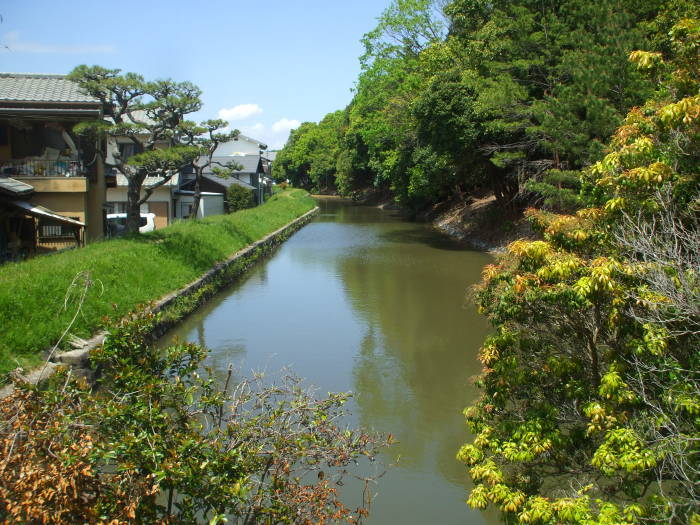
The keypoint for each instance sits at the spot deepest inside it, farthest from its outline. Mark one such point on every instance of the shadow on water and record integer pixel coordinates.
(426, 236)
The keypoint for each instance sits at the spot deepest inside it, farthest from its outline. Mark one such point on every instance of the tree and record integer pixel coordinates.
(310, 156)
(206, 138)
(289, 164)
(151, 116)
(591, 391)
(447, 127)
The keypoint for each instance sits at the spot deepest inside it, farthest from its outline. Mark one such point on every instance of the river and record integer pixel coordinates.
(361, 300)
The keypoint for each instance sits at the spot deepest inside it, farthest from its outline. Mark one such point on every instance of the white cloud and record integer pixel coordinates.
(255, 128)
(274, 136)
(240, 112)
(285, 125)
(12, 42)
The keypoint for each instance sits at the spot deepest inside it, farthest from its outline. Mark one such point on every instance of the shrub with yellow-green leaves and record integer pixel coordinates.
(590, 406)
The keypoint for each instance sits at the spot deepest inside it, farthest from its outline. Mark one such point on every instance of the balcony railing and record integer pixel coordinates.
(42, 168)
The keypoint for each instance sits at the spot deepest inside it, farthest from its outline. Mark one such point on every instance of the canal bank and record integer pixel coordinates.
(479, 221)
(483, 225)
(177, 305)
(97, 266)
(361, 300)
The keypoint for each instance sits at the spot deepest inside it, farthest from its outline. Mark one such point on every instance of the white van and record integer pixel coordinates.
(116, 223)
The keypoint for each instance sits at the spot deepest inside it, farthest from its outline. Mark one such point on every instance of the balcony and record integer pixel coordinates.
(42, 168)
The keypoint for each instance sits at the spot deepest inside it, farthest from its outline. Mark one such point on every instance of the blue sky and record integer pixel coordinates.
(265, 67)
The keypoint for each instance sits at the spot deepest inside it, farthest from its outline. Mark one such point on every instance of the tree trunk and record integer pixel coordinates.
(197, 195)
(133, 207)
(505, 188)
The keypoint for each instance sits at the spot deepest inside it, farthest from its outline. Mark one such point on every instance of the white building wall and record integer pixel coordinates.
(212, 205)
(119, 194)
(242, 146)
(209, 204)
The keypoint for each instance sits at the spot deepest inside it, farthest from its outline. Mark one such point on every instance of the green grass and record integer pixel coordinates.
(124, 273)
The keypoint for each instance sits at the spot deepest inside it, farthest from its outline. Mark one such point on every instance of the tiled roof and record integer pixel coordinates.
(249, 163)
(227, 181)
(23, 87)
(270, 155)
(40, 211)
(14, 187)
(259, 143)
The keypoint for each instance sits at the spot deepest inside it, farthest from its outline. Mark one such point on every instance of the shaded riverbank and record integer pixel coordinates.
(482, 224)
(477, 221)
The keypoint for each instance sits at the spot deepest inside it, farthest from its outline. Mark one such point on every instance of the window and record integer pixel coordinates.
(52, 230)
(117, 207)
(127, 150)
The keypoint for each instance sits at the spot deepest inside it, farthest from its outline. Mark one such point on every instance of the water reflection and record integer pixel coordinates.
(361, 300)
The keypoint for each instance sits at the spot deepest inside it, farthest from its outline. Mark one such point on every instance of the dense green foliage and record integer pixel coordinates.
(590, 412)
(40, 297)
(239, 198)
(162, 441)
(461, 95)
(310, 160)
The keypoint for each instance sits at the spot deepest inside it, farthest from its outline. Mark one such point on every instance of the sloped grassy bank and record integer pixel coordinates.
(40, 298)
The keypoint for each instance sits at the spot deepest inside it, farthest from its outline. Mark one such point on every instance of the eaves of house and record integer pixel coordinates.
(30, 95)
(14, 188)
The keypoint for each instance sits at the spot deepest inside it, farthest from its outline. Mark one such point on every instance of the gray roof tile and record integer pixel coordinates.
(148, 181)
(14, 187)
(226, 182)
(249, 163)
(24, 87)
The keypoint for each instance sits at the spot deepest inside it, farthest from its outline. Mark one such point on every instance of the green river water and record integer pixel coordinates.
(361, 300)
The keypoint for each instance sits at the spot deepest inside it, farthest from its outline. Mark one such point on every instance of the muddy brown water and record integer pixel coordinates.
(361, 300)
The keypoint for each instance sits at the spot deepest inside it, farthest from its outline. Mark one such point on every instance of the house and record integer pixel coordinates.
(27, 229)
(251, 173)
(210, 202)
(269, 158)
(213, 189)
(248, 153)
(62, 172)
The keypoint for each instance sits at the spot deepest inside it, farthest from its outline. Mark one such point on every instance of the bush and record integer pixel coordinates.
(157, 442)
(239, 198)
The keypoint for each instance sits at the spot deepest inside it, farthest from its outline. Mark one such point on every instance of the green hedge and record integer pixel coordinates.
(239, 198)
(40, 297)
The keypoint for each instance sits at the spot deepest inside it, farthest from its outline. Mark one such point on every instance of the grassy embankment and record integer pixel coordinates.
(38, 300)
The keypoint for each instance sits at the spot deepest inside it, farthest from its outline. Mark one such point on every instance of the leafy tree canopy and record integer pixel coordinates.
(151, 115)
(591, 391)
